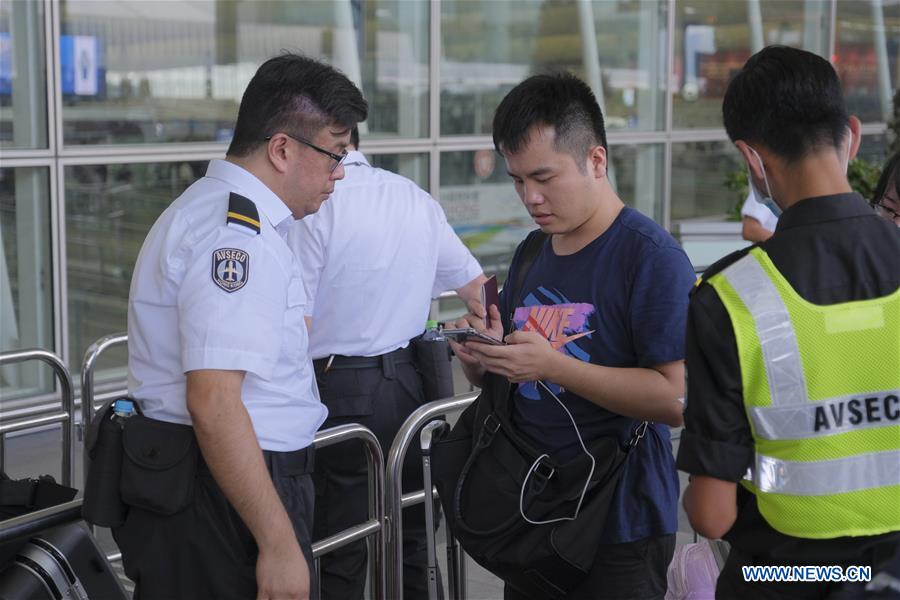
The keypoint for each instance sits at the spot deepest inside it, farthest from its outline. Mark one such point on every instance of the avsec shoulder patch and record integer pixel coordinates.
(242, 214)
(230, 268)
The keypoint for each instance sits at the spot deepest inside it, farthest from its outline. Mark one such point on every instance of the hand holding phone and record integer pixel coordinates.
(470, 334)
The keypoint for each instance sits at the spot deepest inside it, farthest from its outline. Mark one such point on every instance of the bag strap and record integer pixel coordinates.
(531, 247)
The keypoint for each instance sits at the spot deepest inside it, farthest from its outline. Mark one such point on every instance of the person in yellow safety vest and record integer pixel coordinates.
(792, 418)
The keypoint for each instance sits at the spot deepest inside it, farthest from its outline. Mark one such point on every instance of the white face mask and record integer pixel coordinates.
(764, 199)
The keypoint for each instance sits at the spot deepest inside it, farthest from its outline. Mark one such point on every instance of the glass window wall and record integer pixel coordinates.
(867, 56)
(411, 166)
(637, 176)
(137, 72)
(489, 47)
(26, 277)
(23, 75)
(700, 193)
(714, 39)
(704, 212)
(109, 211)
(482, 206)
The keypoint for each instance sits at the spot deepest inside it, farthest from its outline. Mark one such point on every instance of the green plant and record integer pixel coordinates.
(736, 183)
(863, 177)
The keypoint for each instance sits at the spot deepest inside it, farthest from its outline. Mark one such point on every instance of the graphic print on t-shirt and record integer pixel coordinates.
(560, 321)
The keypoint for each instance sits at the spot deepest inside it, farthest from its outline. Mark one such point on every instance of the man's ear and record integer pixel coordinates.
(856, 131)
(597, 160)
(750, 158)
(278, 151)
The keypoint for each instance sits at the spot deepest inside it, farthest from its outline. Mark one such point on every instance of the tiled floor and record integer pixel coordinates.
(37, 453)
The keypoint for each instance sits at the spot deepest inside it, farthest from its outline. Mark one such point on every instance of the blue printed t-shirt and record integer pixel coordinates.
(621, 301)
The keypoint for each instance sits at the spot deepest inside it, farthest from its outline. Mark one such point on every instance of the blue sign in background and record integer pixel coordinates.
(68, 64)
(5, 63)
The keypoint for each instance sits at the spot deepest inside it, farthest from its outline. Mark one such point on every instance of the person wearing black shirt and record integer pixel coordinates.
(785, 113)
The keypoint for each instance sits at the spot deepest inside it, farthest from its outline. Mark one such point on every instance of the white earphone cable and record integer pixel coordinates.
(535, 464)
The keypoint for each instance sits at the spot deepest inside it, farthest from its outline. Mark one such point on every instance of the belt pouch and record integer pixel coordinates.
(159, 465)
(433, 363)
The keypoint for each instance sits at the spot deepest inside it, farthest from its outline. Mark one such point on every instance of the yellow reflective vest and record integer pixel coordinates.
(821, 389)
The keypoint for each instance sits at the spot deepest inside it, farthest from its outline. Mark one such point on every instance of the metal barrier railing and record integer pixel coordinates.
(394, 499)
(91, 356)
(25, 526)
(373, 527)
(65, 416)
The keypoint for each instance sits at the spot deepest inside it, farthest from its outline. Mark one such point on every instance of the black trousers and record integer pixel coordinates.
(379, 394)
(630, 571)
(206, 551)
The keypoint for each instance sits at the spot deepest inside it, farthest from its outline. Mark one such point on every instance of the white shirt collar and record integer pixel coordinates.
(355, 157)
(267, 202)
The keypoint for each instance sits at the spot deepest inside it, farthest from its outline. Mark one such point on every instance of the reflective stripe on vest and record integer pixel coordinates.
(826, 477)
(787, 384)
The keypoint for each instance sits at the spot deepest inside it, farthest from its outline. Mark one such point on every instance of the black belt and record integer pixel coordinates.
(385, 361)
(297, 462)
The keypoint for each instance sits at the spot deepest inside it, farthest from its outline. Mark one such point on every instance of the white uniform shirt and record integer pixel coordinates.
(182, 316)
(373, 257)
(759, 211)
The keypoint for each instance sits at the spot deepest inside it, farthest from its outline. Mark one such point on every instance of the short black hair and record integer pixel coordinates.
(560, 100)
(787, 99)
(890, 177)
(354, 137)
(298, 95)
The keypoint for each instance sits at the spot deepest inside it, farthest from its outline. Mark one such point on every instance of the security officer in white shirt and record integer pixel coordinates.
(217, 340)
(372, 259)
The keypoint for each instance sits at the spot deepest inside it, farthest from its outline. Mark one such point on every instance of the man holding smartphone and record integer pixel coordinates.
(373, 257)
(599, 318)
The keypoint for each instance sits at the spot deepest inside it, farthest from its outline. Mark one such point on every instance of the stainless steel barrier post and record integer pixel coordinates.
(91, 356)
(394, 499)
(68, 407)
(433, 430)
(456, 564)
(375, 526)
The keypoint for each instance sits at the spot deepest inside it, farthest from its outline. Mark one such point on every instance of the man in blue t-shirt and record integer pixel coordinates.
(599, 319)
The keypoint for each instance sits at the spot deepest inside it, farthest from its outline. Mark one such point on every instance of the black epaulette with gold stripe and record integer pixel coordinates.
(242, 213)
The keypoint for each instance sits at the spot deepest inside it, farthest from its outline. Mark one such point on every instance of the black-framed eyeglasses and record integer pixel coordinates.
(337, 158)
(887, 211)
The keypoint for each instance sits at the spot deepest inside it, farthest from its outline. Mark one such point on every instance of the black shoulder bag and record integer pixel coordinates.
(531, 520)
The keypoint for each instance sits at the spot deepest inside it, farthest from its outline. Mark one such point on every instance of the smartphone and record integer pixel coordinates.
(470, 335)
(489, 295)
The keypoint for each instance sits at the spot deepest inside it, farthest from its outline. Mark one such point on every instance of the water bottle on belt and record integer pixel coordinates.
(432, 332)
